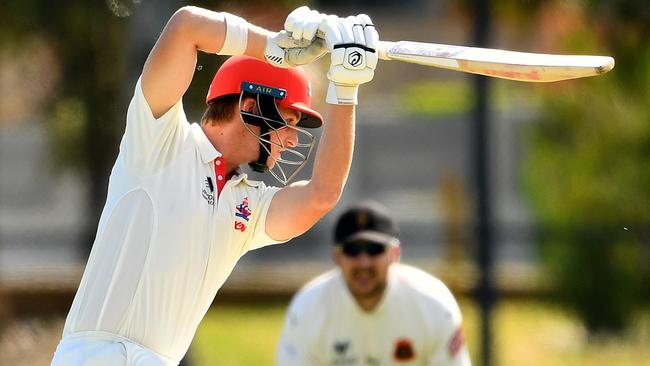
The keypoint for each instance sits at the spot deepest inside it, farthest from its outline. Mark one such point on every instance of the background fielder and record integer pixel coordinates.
(179, 213)
(372, 310)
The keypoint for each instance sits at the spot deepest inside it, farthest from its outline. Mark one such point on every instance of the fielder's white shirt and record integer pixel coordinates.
(165, 243)
(418, 322)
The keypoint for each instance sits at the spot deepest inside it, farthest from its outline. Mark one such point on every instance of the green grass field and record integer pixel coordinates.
(526, 333)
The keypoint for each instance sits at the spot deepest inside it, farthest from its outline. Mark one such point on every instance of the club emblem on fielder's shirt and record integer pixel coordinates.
(403, 350)
(244, 212)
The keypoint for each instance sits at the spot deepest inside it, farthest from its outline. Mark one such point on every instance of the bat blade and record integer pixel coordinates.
(512, 65)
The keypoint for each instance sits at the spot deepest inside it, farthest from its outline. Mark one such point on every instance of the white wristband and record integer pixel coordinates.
(236, 35)
(342, 94)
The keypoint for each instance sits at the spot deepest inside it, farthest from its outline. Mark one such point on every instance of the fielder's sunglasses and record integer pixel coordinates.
(354, 249)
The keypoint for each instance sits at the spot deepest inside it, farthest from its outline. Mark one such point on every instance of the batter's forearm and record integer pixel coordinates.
(334, 155)
(206, 29)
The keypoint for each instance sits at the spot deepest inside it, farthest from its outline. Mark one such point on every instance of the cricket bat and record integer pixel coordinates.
(521, 66)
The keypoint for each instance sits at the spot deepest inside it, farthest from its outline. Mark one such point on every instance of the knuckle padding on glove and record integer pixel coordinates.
(357, 32)
(345, 30)
(293, 17)
(364, 18)
(372, 37)
(298, 28)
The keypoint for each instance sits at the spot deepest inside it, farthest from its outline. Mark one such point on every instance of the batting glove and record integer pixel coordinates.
(353, 43)
(297, 44)
(305, 24)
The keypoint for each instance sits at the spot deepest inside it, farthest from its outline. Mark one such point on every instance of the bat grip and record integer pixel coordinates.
(382, 49)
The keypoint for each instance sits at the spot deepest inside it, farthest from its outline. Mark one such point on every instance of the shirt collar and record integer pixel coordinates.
(209, 153)
(206, 149)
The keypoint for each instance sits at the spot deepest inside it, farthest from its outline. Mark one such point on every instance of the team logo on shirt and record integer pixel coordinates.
(244, 212)
(242, 209)
(403, 350)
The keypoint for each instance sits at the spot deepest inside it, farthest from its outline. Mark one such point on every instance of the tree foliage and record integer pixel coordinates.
(588, 170)
(83, 116)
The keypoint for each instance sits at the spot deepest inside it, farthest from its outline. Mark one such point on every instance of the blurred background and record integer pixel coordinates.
(531, 201)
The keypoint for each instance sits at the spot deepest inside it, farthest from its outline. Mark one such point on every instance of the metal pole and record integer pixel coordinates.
(485, 291)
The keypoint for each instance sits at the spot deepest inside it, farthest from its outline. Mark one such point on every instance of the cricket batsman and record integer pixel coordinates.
(179, 212)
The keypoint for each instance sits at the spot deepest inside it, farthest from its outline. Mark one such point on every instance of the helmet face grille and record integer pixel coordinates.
(270, 122)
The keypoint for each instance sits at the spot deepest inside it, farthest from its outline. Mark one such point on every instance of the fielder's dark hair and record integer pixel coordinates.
(221, 109)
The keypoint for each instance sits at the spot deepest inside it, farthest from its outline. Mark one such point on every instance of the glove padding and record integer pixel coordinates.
(353, 44)
(305, 24)
(283, 51)
(297, 44)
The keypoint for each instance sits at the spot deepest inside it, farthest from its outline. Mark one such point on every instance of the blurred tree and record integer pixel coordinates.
(84, 117)
(587, 166)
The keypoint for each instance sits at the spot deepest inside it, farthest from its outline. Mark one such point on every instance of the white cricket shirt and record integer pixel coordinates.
(418, 322)
(165, 243)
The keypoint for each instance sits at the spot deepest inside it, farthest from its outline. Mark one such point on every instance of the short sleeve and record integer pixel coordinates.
(442, 315)
(259, 237)
(452, 350)
(150, 143)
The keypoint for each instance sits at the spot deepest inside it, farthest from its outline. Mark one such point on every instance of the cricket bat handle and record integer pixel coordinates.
(382, 49)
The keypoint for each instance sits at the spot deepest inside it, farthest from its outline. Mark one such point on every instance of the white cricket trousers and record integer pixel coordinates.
(105, 349)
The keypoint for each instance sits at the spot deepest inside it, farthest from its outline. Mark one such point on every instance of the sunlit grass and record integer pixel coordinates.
(526, 333)
(238, 335)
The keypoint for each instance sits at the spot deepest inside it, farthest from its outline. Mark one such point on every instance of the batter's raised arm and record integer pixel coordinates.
(297, 207)
(170, 66)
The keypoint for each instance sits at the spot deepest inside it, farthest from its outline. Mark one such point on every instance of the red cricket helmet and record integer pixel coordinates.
(294, 81)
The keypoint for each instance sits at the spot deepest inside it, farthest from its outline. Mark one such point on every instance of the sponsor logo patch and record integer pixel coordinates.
(208, 191)
(240, 226)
